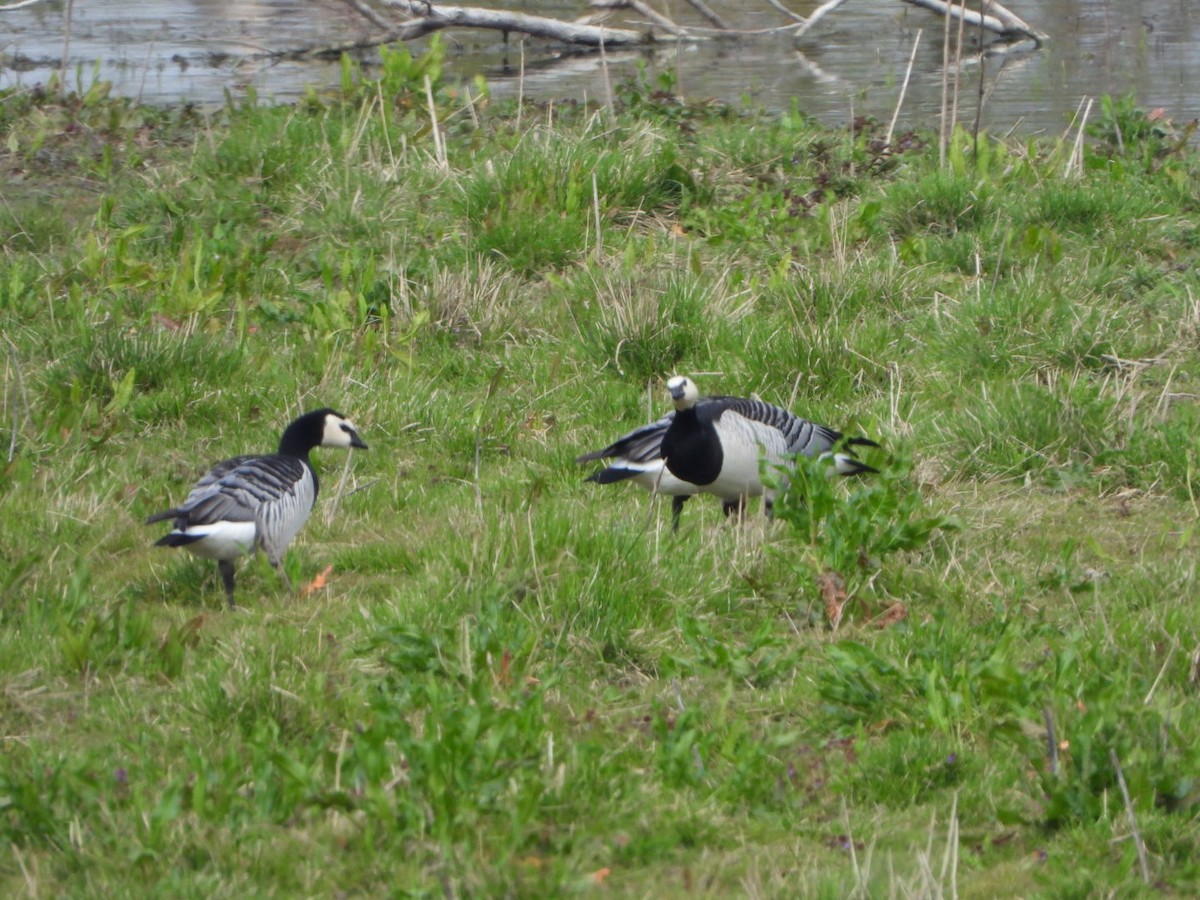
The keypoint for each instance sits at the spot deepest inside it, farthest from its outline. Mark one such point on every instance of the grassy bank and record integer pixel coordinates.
(947, 678)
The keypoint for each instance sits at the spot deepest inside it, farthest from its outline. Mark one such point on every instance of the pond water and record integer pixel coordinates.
(168, 51)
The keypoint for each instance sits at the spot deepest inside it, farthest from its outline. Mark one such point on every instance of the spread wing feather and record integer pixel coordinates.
(642, 445)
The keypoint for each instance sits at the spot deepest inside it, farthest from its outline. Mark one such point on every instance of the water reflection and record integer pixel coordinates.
(172, 50)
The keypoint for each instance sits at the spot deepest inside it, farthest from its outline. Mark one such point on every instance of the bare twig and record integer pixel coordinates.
(363, 487)
(20, 4)
(701, 7)
(776, 5)
(1137, 835)
(817, 15)
(368, 13)
(656, 17)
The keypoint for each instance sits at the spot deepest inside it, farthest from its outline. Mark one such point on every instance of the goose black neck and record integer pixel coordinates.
(303, 434)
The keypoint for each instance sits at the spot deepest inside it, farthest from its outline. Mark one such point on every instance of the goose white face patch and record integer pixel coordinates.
(339, 432)
(683, 391)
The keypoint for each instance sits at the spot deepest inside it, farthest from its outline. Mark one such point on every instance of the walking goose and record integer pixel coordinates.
(637, 455)
(718, 443)
(251, 502)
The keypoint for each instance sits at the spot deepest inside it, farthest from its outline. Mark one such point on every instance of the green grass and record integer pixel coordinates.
(517, 683)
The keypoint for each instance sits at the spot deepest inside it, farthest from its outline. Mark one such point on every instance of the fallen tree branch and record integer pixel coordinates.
(428, 18)
(419, 18)
(368, 12)
(642, 10)
(998, 20)
(701, 7)
(779, 7)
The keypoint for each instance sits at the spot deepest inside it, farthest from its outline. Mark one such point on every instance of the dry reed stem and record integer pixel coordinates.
(912, 57)
(1074, 166)
(439, 145)
(943, 133)
(332, 507)
(608, 89)
(958, 55)
(62, 66)
(1138, 843)
(521, 85)
(599, 245)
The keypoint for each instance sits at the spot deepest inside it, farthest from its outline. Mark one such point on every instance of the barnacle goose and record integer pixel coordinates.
(251, 502)
(637, 455)
(718, 443)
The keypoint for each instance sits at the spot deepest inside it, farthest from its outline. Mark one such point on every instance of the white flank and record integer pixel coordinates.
(654, 476)
(222, 540)
(746, 444)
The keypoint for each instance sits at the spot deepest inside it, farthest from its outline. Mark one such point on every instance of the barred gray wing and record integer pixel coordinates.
(801, 435)
(236, 489)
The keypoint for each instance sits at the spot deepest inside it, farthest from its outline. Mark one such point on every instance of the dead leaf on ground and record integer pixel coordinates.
(191, 629)
(833, 592)
(897, 612)
(317, 583)
(600, 875)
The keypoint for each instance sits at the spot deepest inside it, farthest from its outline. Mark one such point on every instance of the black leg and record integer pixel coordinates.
(738, 506)
(226, 567)
(676, 508)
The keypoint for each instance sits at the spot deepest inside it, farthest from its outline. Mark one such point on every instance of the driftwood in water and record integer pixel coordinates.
(418, 18)
(422, 17)
(426, 18)
(994, 18)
